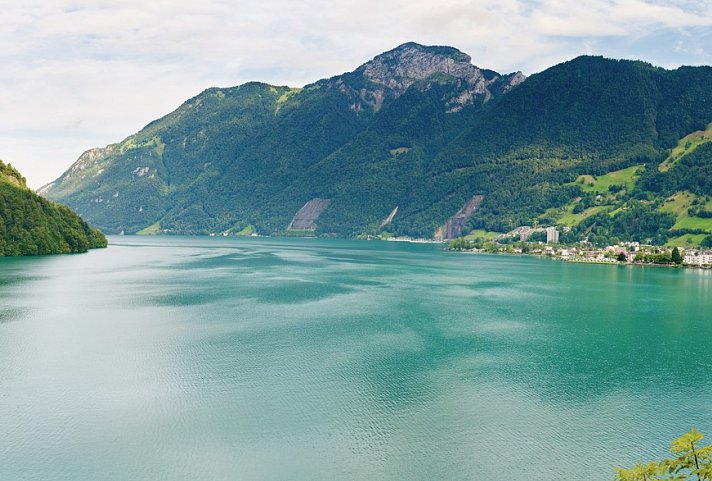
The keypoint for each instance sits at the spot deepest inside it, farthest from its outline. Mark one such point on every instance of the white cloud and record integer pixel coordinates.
(82, 73)
(597, 18)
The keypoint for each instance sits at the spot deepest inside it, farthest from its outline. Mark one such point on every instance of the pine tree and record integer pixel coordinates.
(676, 257)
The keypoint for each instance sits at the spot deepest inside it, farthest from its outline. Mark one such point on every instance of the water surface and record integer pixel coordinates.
(306, 359)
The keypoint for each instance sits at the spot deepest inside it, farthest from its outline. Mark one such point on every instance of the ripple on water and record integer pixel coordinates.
(190, 359)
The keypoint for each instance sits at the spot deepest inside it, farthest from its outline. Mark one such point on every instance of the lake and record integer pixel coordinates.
(190, 358)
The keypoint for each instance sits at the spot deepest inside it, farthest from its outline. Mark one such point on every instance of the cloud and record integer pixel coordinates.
(589, 18)
(83, 73)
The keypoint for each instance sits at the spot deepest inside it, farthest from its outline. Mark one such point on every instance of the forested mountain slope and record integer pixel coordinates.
(255, 154)
(418, 131)
(32, 225)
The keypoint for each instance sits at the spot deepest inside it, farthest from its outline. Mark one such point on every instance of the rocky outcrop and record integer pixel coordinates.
(305, 218)
(389, 219)
(90, 164)
(452, 229)
(9, 174)
(392, 73)
(91, 156)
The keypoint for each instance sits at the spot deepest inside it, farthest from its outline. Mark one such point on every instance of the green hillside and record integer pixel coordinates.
(625, 178)
(589, 116)
(31, 225)
(403, 142)
(685, 146)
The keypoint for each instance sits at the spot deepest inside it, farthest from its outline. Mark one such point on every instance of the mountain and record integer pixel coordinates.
(255, 154)
(31, 225)
(417, 141)
(588, 116)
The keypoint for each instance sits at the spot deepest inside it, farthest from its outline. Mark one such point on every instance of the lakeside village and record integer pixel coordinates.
(545, 241)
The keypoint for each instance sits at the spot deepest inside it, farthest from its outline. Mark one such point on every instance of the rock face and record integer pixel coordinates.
(392, 73)
(389, 219)
(453, 227)
(89, 165)
(305, 218)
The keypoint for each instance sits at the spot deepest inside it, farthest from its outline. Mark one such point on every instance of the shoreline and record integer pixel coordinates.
(575, 260)
(585, 261)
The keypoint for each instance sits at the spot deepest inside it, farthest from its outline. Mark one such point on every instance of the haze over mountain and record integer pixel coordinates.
(416, 142)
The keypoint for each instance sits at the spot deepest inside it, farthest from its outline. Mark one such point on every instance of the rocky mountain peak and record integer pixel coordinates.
(392, 73)
(401, 67)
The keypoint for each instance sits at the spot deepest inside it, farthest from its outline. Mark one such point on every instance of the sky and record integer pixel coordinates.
(77, 74)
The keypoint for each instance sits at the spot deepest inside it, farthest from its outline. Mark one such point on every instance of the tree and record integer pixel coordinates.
(639, 472)
(32, 225)
(622, 257)
(460, 244)
(676, 257)
(691, 458)
(690, 462)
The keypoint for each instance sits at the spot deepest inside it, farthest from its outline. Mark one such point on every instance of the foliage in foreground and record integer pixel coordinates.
(689, 461)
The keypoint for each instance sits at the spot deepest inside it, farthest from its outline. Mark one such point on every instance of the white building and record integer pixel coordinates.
(698, 258)
(552, 235)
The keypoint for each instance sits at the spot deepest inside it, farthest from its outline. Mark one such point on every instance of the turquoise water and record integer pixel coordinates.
(305, 359)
